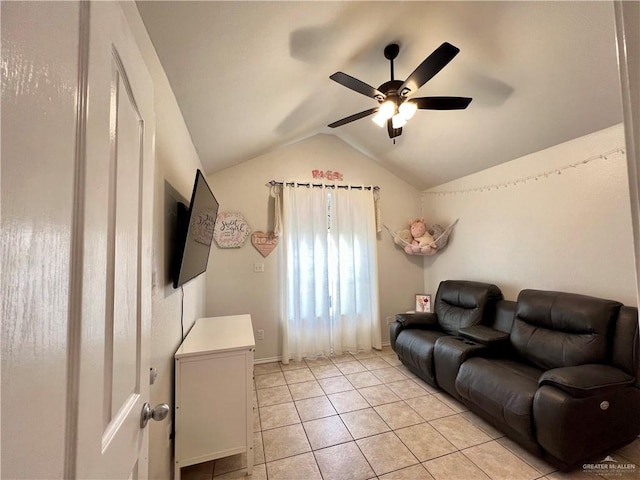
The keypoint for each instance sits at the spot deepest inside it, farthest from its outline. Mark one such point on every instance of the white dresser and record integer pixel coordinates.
(214, 400)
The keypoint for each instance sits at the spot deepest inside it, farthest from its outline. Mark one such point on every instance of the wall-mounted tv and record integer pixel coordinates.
(195, 232)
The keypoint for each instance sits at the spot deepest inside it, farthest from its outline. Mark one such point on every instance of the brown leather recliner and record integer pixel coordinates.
(570, 388)
(557, 372)
(458, 304)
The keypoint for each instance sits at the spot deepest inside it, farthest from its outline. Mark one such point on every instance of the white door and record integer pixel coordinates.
(114, 203)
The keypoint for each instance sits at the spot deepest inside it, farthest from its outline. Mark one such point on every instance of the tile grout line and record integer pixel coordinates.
(306, 436)
(415, 380)
(339, 415)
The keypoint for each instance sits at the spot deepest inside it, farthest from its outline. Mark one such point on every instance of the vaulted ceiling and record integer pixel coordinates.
(253, 76)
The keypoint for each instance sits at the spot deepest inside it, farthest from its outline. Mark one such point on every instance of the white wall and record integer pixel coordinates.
(176, 164)
(233, 288)
(569, 232)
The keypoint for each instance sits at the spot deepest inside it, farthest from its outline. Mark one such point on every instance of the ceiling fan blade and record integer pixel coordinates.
(431, 65)
(356, 85)
(354, 117)
(442, 103)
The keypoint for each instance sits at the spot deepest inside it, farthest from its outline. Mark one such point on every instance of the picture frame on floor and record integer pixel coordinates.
(423, 302)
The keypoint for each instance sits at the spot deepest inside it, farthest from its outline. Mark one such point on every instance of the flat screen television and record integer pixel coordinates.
(195, 232)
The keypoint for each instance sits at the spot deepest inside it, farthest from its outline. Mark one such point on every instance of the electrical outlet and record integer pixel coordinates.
(260, 334)
(389, 320)
(258, 267)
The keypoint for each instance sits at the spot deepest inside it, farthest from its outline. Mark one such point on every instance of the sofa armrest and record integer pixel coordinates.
(394, 329)
(484, 335)
(574, 430)
(422, 320)
(586, 380)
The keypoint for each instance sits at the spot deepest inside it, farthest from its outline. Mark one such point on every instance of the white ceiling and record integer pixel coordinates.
(253, 76)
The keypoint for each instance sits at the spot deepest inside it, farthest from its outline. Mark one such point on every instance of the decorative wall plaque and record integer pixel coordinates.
(201, 227)
(327, 175)
(231, 230)
(265, 243)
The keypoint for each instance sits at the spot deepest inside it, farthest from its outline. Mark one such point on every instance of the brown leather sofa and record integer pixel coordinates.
(557, 372)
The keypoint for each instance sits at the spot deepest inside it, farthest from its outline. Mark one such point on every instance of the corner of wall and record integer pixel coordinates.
(176, 164)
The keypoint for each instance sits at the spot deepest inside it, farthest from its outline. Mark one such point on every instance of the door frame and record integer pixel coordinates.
(627, 23)
(74, 320)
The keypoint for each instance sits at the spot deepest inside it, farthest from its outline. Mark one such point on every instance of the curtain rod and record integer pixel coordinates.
(273, 183)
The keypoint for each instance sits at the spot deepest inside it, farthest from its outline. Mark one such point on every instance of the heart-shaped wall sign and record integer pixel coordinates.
(265, 243)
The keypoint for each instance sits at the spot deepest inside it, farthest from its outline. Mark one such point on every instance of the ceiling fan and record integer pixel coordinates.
(393, 96)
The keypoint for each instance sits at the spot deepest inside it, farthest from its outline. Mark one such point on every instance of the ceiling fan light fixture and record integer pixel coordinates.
(379, 119)
(408, 109)
(386, 111)
(398, 121)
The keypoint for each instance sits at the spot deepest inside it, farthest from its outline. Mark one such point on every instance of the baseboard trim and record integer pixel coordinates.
(257, 361)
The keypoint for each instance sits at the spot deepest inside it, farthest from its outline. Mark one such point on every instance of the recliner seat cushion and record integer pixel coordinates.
(503, 389)
(556, 329)
(461, 303)
(415, 348)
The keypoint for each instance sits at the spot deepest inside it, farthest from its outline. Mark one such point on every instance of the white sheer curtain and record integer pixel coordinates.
(306, 303)
(353, 271)
(330, 289)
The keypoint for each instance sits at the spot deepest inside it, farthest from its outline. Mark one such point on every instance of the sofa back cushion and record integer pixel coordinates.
(555, 329)
(626, 343)
(461, 303)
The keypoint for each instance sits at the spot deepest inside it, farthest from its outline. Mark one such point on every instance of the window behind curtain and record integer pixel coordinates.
(330, 301)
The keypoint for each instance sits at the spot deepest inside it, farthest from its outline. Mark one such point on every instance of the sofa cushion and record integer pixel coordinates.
(415, 349)
(555, 329)
(502, 389)
(461, 303)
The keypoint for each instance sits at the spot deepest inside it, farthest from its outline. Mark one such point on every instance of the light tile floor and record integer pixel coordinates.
(365, 416)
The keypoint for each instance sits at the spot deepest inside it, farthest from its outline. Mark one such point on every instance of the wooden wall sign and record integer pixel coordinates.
(327, 175)
(231, 230)
(265, 243)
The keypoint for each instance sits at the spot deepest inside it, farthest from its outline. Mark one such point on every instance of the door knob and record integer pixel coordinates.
(157, 413)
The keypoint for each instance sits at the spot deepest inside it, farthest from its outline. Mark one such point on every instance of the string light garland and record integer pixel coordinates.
(523, 180)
